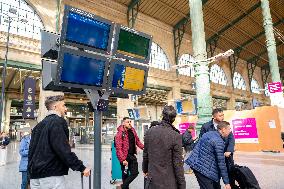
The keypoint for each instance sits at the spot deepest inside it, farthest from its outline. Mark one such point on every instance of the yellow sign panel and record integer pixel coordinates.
(134, 79)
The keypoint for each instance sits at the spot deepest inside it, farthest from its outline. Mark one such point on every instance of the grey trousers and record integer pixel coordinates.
(55, 182)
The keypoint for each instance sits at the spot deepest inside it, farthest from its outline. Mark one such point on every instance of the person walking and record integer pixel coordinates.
(207, 159)
(188, 144)
(24, 151)
(126, 141)
(4, 141)
(50, 155)
(162, 155)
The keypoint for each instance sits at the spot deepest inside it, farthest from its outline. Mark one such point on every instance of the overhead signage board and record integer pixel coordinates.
(132, 45)
(80, 69)
(87, 31)
(127, 78)
(29, 98)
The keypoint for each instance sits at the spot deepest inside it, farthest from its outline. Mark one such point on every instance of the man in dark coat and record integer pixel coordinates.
(162, 155)
(218, 116)
(207, 158)
(50, 155)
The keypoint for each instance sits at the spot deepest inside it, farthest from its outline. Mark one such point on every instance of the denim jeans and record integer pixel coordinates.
(24, 180)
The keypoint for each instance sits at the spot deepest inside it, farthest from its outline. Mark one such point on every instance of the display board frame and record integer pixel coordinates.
(64, 50)
(63, 37)
(116, 53)
(113, 62)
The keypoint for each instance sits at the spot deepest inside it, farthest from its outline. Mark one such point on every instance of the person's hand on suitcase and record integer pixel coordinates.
(227, 186)
(87, 172)
(125, 163)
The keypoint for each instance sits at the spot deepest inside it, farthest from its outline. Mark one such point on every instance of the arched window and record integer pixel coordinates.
(217, 75)
(158, 58)
(186, 59)
(31, 28)
(239, 82)
(254, 86)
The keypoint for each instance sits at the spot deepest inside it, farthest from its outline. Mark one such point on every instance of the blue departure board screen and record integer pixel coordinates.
(82, 70)
(87, 31)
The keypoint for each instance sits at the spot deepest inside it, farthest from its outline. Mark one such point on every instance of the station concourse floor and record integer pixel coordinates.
(267, 167)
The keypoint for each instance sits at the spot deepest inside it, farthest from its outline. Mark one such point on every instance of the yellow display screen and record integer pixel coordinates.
(128, 78)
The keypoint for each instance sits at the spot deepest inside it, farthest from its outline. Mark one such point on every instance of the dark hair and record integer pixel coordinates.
(217, 110)
(191, 127)
(154, 123)
(169, 114)
(49, 101)
(125, 118)
(223, 124)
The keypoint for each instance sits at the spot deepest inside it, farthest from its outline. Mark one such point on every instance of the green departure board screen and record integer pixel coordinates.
(132, 44)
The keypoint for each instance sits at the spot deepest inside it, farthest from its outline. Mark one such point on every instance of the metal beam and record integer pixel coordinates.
(132, 12)
(251, 68)
(265, 73)
(22, 82)
(187, 18)
(10, 82)
(263, 52)
(257, 36)
(220, 32)
(233, 64)
(178, 32)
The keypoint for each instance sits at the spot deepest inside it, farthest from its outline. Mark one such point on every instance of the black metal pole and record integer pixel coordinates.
(4, 74)
(97, 149)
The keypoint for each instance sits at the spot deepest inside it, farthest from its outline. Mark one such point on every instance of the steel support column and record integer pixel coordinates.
(270, 41)
(132, 12)
(204, 99)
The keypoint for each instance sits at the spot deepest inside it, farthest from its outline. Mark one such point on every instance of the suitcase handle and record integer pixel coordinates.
(82, 180)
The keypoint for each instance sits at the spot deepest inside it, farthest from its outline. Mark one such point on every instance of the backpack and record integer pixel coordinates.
(244, 178)
(123, 136)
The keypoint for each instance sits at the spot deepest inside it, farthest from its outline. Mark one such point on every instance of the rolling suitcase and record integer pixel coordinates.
(116, 173)
(82, 181)
(243, 178)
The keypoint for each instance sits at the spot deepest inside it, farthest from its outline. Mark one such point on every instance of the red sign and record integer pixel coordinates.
(275, 87)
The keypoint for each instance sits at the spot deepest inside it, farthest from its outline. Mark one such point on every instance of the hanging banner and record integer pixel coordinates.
(245, 130)
(29, 98)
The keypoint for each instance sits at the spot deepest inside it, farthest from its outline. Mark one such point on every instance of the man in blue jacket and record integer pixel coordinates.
(24, 151)
(207, 159)
(218, 116)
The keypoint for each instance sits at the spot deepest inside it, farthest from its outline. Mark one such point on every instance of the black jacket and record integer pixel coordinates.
(49, 152)
(187, 141)
(229, 141)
